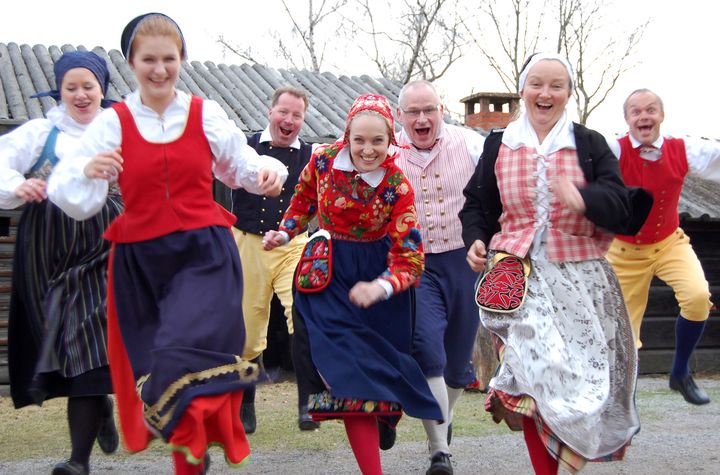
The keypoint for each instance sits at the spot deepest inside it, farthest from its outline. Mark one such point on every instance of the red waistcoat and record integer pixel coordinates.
(166, 187)
(663, 179)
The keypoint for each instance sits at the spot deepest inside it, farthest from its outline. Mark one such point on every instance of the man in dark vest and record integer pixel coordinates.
(268, 272)
(661, 248)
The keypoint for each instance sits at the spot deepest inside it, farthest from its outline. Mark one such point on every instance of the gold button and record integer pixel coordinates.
(430, 228)
(439, 188)
(424, 188)
(264, 198)
(442, 213)
(440, 200)
(437, 175)
(442, 226)
(422, 176)
(427, 201)
(431, 241)
(281, 201)
(445, 239)
(427, 214)
(262, 221)
(263, 210)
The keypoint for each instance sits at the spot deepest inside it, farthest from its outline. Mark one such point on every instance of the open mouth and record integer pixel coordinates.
(544, 107)
(645, 128)
(286, 132)
(423, 131)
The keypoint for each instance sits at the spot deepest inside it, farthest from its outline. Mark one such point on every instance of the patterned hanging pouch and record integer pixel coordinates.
(503, 288)
(315, 267)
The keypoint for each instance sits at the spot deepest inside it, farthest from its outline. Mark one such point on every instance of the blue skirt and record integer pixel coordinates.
(179, 308)
(362, 356)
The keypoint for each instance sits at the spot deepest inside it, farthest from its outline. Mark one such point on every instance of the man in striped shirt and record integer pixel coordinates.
(438, 161)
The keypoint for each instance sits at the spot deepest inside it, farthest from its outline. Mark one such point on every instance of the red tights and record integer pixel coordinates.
(542, 461)
(363, 436)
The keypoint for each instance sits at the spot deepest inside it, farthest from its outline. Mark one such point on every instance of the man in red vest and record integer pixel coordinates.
(661, 248)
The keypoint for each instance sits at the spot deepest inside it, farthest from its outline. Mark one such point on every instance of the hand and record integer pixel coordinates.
(364, 294)
(269, 182)
(272, 239)
(105, 165)
(476, 256)
(568, 194)
(32, 190)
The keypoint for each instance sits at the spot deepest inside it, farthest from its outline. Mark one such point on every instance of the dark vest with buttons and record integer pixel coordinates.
(259, 214)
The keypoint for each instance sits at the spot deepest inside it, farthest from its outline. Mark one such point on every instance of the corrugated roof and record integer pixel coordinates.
(244, 91)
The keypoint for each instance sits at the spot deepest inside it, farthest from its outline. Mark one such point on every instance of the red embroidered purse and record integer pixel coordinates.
(503, 288)
(315, 267)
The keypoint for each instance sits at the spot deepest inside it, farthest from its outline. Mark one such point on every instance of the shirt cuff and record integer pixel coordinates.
(387, 287)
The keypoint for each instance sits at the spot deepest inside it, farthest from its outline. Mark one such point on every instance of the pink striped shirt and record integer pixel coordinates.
(570, 237)
(438, 178)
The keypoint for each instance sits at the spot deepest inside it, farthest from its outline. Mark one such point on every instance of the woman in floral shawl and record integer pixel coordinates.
(353, 311)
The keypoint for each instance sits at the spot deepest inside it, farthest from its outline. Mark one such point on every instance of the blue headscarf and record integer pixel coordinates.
(128, 34)
(80, 59)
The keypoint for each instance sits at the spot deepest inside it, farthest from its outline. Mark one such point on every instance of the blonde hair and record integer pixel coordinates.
(158, 25)
(372, 113)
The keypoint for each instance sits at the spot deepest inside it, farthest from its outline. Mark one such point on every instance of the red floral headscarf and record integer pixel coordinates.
(379, 104)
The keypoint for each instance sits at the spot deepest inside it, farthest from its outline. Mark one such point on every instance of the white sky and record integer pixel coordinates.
(677, 52)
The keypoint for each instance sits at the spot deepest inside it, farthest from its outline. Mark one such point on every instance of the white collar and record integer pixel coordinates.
(181, 101)
(265, 136)
(657, 143)
(344, 163)
(520, 132)
(59, 117)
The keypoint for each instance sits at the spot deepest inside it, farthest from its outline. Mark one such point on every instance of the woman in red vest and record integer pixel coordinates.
(175, 301)
(547, 194)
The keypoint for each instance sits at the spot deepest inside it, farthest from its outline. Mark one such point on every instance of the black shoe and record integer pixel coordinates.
(70, 467)
(108, 438)
(440, 465)
(247, 416)
(449, 434)
(305, 420)
(387, 436)
(689, 390)
(206, 464)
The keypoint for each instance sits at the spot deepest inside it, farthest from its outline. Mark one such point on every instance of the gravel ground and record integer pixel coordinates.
(676, 438)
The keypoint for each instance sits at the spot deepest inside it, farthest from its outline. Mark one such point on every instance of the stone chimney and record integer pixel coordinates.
(490, 110)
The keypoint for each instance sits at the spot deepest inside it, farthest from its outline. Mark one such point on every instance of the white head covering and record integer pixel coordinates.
(536, 58)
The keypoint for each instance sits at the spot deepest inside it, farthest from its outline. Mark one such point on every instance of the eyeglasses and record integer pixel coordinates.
(427, 111)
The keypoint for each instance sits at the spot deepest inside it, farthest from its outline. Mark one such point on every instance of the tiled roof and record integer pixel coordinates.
(244, 92)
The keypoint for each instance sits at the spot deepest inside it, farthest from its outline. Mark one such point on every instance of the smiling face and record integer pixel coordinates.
(644, 114)
(546, 93)
(155, 61)
(286, 119)
(81, 93)
(421, 113)
(369, 141)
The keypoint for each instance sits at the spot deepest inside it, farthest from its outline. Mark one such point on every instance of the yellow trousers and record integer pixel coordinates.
(265, 273)
(672, 260)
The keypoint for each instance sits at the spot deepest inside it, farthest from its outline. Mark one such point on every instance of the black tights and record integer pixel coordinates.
(85, 413)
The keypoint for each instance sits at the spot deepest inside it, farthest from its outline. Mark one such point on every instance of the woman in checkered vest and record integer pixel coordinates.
(540, 213)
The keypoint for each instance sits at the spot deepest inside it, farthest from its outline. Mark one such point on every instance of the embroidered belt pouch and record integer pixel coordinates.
(315, 267)
(503, 288)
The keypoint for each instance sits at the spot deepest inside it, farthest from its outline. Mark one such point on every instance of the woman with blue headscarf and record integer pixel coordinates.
(57, 343)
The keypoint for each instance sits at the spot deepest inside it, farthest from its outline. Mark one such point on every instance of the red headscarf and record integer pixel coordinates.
(377, 103)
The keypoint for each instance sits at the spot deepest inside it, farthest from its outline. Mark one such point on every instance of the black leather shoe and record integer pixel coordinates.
(689, 390)
(305, 420)
(440, 465)
(247, 416)
(206, 464)
(387, 436)
(69, 468)
(108, 438)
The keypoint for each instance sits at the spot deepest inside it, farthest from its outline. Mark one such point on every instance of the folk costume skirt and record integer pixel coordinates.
(57, 321)
(568, 360)
(358, 361)
(176, 336)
